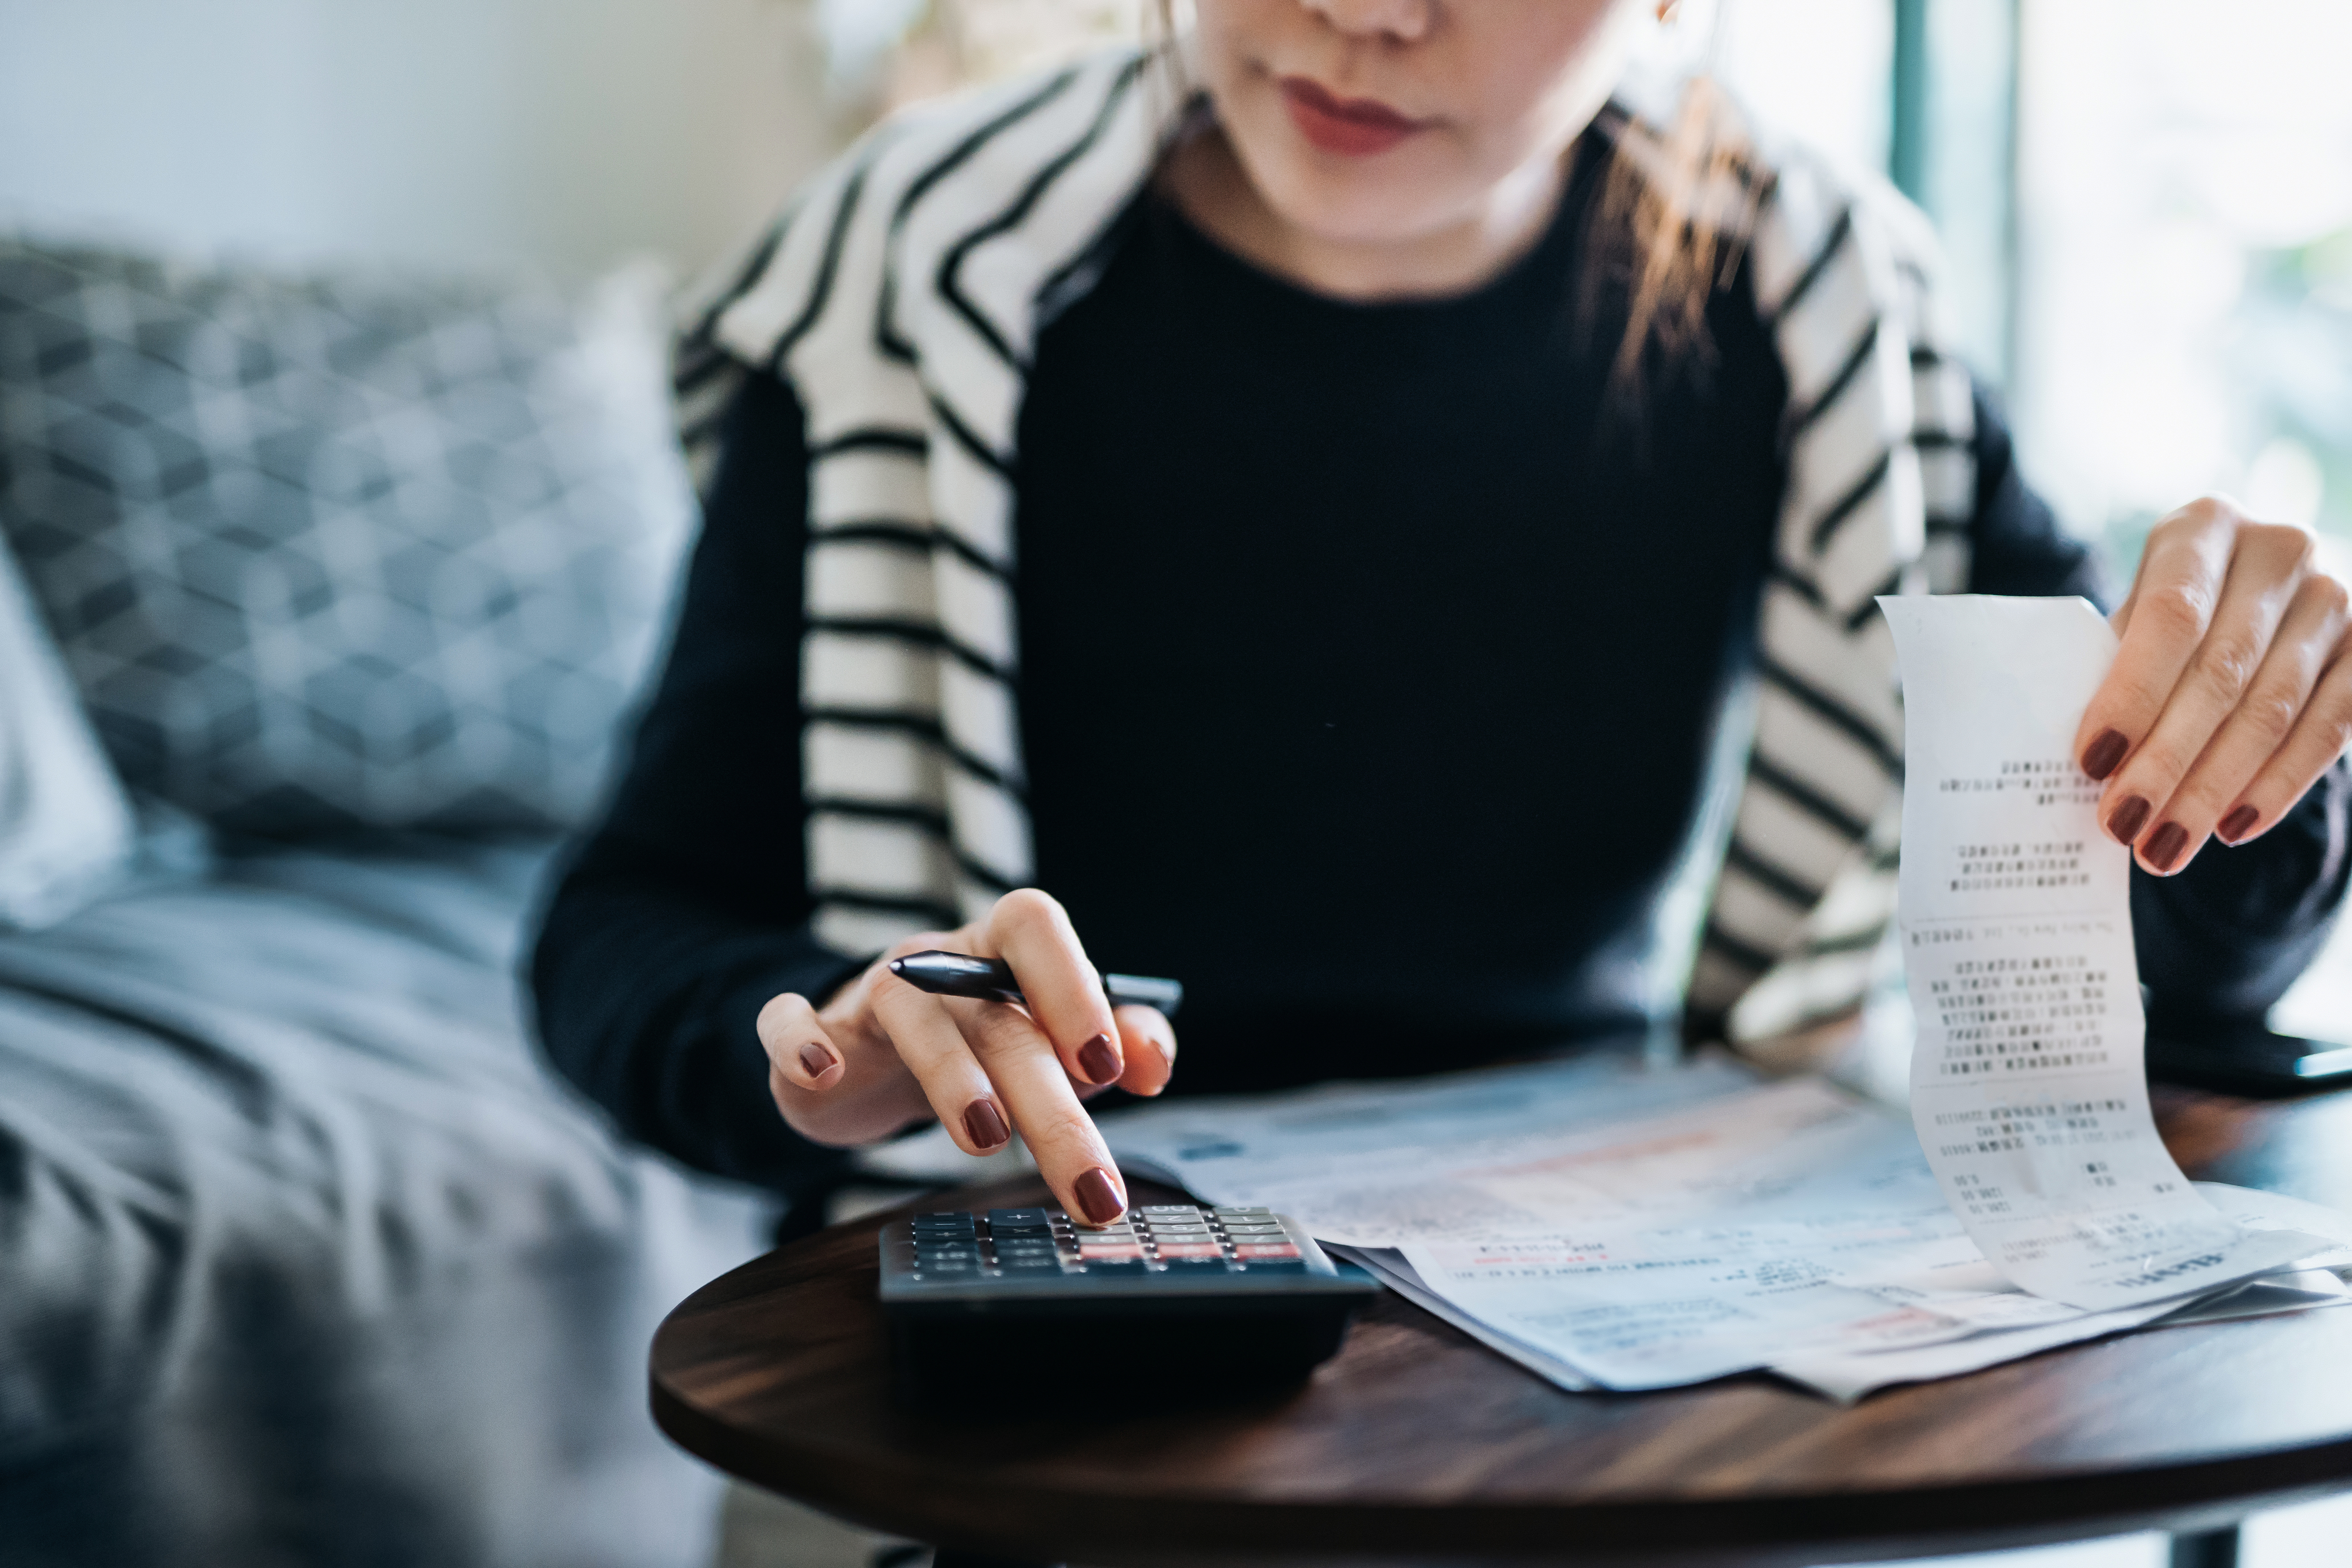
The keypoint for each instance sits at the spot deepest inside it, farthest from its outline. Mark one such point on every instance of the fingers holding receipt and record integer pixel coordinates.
(1611, 1225)
(2028, 1090)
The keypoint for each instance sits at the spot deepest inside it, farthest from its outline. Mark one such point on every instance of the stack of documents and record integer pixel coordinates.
(1611, 1227)
(1618, 1229)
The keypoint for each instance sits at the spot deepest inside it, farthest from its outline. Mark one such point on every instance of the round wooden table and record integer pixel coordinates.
(1418, 1446)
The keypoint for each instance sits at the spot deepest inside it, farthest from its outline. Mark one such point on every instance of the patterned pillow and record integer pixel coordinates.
(327, 554)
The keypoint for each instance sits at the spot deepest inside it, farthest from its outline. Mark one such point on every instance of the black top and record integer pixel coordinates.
(1365, 688)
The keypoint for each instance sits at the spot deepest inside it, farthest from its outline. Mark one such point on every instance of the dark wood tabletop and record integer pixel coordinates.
(1417, 1444)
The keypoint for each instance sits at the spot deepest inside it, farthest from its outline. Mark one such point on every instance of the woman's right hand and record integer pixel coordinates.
(882, 1055)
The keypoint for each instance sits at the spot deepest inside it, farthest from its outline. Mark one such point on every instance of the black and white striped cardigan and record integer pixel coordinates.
(902, 295)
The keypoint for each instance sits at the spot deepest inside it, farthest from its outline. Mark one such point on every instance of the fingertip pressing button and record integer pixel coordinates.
(1097, 1196)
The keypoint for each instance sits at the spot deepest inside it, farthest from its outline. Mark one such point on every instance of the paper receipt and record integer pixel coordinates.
(2027, 1084)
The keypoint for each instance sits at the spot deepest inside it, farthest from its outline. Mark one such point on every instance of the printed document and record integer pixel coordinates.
(2027, 1084)
(1609, 1226)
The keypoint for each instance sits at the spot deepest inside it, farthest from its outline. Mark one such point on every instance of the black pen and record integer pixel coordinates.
(990, 979)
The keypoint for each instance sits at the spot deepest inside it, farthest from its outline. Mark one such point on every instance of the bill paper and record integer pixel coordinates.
(2027, 1085)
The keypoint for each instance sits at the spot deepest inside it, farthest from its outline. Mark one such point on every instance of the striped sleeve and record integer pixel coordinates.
(1879, 489)
(900, 298)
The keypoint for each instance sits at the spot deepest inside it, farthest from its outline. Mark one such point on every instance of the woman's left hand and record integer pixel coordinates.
(2231, 692)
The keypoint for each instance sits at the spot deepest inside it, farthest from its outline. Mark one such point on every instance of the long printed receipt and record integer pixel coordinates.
(2027, 1086)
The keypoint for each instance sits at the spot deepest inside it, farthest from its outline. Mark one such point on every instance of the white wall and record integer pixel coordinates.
(554, 135)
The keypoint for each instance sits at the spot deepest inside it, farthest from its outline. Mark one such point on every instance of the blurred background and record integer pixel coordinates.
(2147, 205)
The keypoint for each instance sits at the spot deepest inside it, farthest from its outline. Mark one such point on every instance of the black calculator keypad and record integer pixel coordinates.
(1237, 1298)
(1158, 1238)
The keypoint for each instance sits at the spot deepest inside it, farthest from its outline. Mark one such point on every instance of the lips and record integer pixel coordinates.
(1352, 127)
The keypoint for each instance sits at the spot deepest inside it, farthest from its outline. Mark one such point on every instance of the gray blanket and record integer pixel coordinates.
(305, 1260)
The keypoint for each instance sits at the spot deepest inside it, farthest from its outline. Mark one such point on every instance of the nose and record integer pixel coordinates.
(1406, 21)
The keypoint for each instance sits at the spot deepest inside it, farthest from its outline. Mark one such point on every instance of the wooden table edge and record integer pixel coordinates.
(1851, 1524)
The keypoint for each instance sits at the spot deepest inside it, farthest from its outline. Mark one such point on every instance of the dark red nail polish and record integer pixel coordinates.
(2238, 825)
(2102, 756)
(2165, 844)
(1098, 1060)
(1098, 1196)
(815, 1060)
(983, 1127)
(2129, 818)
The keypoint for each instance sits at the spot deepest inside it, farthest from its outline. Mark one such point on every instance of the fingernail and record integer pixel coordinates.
(815, 1060)
(2100, 757)
(1168, 1063)
(1098, 1196)
(1098, 1060)
(983, 1127)
(2165, 844)
(2129, 818)
(2238, 825)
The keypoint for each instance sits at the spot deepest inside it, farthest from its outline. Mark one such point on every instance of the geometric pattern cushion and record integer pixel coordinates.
(326, 555)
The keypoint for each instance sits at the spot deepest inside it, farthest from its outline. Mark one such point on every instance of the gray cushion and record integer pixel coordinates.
(67, 830)
(330, 554)
(304, 1259)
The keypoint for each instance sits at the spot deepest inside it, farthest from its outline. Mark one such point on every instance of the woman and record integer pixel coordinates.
(1404, 452)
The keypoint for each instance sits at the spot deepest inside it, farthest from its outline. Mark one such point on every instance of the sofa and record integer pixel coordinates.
(324, 602)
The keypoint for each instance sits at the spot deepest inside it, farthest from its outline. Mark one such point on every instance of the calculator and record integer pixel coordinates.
(1240, 1299)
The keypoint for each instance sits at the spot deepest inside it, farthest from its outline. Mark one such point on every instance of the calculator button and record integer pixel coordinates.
(1184, 1208)
(997, 1217)
(1169, 1249)
(1028, 1264)
(1251, 1251)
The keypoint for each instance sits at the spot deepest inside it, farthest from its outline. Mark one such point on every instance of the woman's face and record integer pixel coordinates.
(1376, 122)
